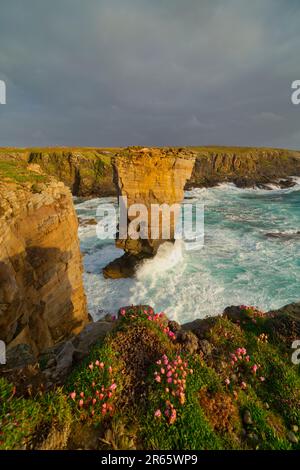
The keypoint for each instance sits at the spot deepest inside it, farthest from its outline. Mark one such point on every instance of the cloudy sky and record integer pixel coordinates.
(149, 72)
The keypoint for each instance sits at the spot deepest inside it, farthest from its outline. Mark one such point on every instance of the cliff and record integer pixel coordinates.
(41, 292)
(148, 176)
(245, 167)
(88, 172)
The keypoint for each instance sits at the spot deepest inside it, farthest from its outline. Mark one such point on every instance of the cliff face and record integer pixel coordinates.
(244, 167)
(89, 172)
(148, 176)
(85, 172)
(41, 292)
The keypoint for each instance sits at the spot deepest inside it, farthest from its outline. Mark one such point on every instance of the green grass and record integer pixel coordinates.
(23, 421)
(210, 417)
(17, 171)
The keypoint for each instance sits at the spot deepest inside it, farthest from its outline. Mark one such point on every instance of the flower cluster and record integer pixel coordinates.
(159, 318)
(172, 376)
(98, 399)
(242, 369)
(252, 312)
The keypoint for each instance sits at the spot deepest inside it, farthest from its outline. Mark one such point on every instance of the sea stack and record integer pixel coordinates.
(148, 176)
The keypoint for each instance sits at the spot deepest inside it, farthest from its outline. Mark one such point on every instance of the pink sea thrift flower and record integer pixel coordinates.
(157, 414)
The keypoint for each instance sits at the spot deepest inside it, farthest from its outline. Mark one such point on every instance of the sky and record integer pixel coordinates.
(104, 73)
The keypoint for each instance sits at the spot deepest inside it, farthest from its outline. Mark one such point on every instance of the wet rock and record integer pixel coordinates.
(122, 267)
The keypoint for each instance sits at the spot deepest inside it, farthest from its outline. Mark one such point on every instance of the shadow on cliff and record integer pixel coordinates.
(38, 304)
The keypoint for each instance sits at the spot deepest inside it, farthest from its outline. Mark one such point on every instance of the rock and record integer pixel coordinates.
(122, 267)
(42, 299)
(255, 167)
(92, 333)
(152, 176)
(247, 418)
(234, 313)
(292, 437)
(200, 327)
(19, 357)
(51, 363)
(64, 359)
(189, 341)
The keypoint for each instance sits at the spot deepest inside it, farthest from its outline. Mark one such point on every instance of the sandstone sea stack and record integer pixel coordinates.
(148, 176)
(42, 298)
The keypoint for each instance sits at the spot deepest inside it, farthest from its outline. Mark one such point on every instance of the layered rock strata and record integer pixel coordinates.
(151, 177)
(42, 299)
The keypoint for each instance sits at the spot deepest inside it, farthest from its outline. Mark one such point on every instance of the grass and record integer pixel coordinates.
(209, 415)
(17, 171)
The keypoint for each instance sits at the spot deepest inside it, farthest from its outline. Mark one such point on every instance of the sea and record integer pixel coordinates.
(250, 256)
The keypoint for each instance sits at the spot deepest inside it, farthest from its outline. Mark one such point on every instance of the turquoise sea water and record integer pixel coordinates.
(250, 256)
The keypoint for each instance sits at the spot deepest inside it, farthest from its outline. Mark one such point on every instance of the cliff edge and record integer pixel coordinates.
(42, 299)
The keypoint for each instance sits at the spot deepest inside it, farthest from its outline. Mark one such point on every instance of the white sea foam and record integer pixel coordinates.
(238, 264)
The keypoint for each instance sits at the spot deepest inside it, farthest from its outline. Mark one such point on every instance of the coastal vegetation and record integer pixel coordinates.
(225, 382)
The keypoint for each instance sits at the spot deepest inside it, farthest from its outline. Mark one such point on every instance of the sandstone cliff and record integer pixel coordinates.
(148, 176)
(86, 172)
(41, 292)
(243, 166)
(89, 172)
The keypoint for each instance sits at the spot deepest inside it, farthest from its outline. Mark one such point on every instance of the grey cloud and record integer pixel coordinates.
(165, 72)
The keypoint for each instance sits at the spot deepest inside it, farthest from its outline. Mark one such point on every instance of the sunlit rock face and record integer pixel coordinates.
(148, 177)
(42, 299)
